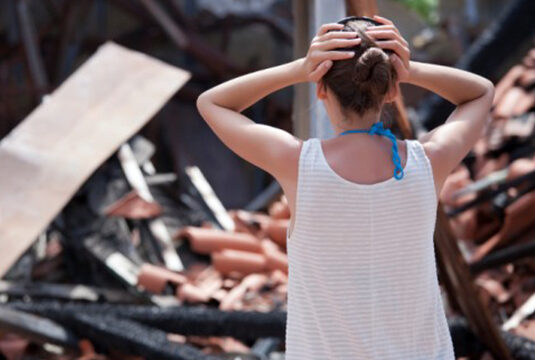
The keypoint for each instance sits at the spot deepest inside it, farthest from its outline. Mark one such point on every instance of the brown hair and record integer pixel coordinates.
(360, 83)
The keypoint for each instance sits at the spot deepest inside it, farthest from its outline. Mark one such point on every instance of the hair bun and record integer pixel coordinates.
(372, 67)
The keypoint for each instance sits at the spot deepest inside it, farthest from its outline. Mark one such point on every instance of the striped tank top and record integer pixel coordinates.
(362, 282)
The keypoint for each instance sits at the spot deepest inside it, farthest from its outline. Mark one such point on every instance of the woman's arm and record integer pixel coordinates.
(455, 85)
(449, 143)
(267, 147)
(260, 144)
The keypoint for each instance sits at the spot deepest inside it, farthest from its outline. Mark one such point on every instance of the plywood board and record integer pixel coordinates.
(59, 145)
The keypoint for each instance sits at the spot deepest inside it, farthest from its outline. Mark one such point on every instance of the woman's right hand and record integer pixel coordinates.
(387, 36)
(321, 52)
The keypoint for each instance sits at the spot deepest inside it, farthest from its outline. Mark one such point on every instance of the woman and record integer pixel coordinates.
(362, 273)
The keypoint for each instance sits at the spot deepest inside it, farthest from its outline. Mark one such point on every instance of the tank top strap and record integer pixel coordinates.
(423, 162)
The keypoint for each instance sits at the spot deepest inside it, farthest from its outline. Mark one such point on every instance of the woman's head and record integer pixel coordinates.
(361, 84)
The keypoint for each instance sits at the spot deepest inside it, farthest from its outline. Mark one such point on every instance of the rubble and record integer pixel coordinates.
(490, 202)
(117, 261)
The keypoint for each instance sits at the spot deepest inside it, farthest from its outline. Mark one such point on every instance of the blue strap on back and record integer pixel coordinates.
(378, 129)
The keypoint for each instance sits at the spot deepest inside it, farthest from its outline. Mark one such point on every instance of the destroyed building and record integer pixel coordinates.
(127, 231)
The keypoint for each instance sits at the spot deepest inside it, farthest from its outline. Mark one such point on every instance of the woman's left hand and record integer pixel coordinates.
(320, 54)
(388, 36)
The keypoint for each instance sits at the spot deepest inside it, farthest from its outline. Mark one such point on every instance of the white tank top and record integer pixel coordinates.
(362, 280)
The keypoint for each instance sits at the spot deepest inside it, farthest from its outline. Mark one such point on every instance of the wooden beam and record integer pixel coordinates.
(361, 7)
(58, 146)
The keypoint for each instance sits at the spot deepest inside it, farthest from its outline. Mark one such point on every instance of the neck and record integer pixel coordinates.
(354, 121)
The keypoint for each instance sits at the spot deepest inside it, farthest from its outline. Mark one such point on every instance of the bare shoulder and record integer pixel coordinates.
(288, 157)
(434, 155)
(288, 179)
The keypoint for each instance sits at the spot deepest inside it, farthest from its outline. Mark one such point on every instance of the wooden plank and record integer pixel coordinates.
(59, 145)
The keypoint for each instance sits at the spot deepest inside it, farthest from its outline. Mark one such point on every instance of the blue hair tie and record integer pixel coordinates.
(378, 129)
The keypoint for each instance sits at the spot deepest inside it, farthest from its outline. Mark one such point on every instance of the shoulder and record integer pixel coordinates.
(289, 155)
(434, 155)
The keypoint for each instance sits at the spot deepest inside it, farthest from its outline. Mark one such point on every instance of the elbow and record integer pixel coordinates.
(201, 100)
(489, 93)
(490, 88)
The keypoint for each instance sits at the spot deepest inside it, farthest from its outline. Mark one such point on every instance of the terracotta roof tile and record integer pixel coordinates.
(205, 241)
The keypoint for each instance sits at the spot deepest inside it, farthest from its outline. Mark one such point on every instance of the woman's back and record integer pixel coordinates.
(362, 273)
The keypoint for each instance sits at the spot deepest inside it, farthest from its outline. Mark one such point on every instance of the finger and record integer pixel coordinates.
(383, 27)
(337, 34)
(398, 64)
(321, 70)
(387, 34)
(401, 51)
(382, 19)
(333, 55)
(337, 43)
(330, 26)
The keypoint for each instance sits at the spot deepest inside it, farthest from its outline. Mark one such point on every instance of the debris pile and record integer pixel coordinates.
(490, 200)
(97, 279)
(95, 285)
(105, 258)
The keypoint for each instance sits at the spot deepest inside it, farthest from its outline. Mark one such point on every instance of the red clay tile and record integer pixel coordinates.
(520, 167)
(276, 230)
(279, 277)
(507, 82)
(241, 224)
(133, 206)
(206, 241)
(508, 104)
(494, 288)
(245, 262)
(276, 259)
(527, 79)
(518, 217)
(154, 278)
(457, 180)
(279, 209)
(191, 293)
(233, 300)
(524, 103)
(492, 165)
(206, 284)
